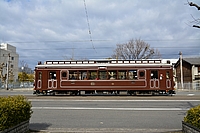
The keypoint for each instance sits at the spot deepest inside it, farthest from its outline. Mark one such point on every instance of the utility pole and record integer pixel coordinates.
(181, 68)
(7, 72)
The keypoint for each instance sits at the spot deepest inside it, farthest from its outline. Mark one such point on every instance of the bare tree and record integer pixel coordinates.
(196, 21)
(135, 49)
(24, 66)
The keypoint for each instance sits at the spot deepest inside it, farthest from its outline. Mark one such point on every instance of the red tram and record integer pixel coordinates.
(104, 76)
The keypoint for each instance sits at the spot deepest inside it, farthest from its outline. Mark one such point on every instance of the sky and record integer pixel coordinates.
(90, 29)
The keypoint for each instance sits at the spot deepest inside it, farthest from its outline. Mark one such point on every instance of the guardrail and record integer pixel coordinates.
(188, 86)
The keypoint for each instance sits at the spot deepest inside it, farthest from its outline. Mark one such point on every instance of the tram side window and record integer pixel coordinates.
(40, 75)
(112, 75)
(83, 75)
(141, 74)
(92, 75)
(132, 74)
(52, 75)
(167, 75)
(64, 75)
(122, 74)
(102, 75)
(154, 74)
(73, 75)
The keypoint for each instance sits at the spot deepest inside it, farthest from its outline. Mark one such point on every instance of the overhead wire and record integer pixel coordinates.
(90, 33)
(102, 47)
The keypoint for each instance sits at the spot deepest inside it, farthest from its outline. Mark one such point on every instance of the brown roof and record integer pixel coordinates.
(191, 61)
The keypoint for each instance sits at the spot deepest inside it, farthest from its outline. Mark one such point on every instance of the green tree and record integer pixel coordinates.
(23, 76)
(31, 77)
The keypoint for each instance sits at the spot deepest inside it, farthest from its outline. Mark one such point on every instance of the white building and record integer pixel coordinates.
(8, 53)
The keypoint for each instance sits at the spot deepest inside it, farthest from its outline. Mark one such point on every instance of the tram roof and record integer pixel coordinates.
(103, 62)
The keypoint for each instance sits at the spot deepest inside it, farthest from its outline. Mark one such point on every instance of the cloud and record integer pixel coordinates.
(58, 29)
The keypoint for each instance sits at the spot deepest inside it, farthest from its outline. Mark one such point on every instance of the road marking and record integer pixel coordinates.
(190, 94)
(123, 109)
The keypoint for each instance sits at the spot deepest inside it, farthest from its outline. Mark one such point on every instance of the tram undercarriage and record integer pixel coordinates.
(105, 92)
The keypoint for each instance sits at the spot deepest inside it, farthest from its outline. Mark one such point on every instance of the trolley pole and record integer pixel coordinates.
(181, 68)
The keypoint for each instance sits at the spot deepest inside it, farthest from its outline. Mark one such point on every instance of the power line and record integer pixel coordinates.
(88, 25)
(163, 54)
(103, 47)
(60, 41)
(101, 40)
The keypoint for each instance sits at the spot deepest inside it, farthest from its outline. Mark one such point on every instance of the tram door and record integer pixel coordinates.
(52, 81)
(154, 81)
(168, 79)
(39, 81)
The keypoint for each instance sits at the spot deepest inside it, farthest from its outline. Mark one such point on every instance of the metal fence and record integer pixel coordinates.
(188, 86)
(15, 85)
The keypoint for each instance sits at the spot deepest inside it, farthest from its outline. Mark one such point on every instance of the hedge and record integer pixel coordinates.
(14, 110)
(193, 116)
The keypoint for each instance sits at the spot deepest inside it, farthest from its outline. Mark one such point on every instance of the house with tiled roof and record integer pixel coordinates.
(190, 70)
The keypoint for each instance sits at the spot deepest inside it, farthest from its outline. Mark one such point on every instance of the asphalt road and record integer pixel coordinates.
(129, 115)
(138, 114)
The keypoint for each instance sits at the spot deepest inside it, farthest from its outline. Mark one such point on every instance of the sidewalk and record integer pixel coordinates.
(106, 130)
(17, 89)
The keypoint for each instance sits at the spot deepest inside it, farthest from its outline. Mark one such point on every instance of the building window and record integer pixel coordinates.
(12, 58)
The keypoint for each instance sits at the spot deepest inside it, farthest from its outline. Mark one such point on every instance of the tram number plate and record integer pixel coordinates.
(92, 83)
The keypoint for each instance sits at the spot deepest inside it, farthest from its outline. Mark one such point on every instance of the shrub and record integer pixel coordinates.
(14, 110)
(193, 116)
